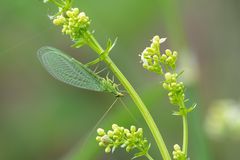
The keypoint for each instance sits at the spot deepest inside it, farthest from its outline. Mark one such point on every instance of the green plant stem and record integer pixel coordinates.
(185, 127)
(135, 97)
(185, 134)
(149, 157)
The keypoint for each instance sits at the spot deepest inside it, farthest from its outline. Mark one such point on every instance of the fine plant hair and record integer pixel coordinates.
(76, 24)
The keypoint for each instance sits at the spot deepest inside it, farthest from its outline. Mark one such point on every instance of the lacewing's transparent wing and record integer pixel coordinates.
(69, 70)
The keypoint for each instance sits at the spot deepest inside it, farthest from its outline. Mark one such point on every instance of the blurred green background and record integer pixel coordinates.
(42, 118)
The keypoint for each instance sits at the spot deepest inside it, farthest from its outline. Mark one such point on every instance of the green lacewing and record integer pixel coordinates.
(72, 72)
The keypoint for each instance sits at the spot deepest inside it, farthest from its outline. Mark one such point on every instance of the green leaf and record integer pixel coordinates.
(137, 155)
(179, 74)
(110, 45)
(181, 112)
(142, 153)
(176, 113)
(149, 146)
(79, 43)
(192, 108)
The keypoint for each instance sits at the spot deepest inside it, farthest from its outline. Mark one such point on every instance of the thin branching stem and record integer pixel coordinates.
(185, 134)
(133, 94)
(185, 127)
(149, 157)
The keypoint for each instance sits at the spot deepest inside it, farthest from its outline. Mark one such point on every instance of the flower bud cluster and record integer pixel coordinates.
(154, 61)
(169, 58)
(74, 23)
(121, 137)
(176, 89)
(150, 57)
(178, 153)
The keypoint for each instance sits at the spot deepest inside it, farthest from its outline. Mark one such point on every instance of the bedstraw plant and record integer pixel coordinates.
(75, 23)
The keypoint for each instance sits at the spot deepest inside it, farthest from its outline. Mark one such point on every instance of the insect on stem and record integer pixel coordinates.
(72, 72)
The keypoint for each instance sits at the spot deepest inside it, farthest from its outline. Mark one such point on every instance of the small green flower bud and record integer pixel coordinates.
(174, 78)
(82, 15)
(63, 30)
(179, 88)
(145, 53)
(149, 61)
(61, 18)
(170, 94)
(71, 20)
(156, 39)
(65, 26)
(126, 131)
(173, 84)
(140, 131)
(175, 53)
(128, 148)
(114, 126)
(133, 129)
(169, 60)
(178, 152)
(168, 52)
(155, 58)
(154, 46)
(75, 11)
(171, 99)
(110, 133)
(163, 57)
(165, 86)
(69, 14)
(151, 68)
(98, 138)
(176, 147)
(107, 149)
(101, 131)
(168, 76)
(56, 22)
(129, 135)
(115, 137)
(126, 142)
(149, 50)
(101, 144)
(106, 140)
(145, 65)
(116, 131)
